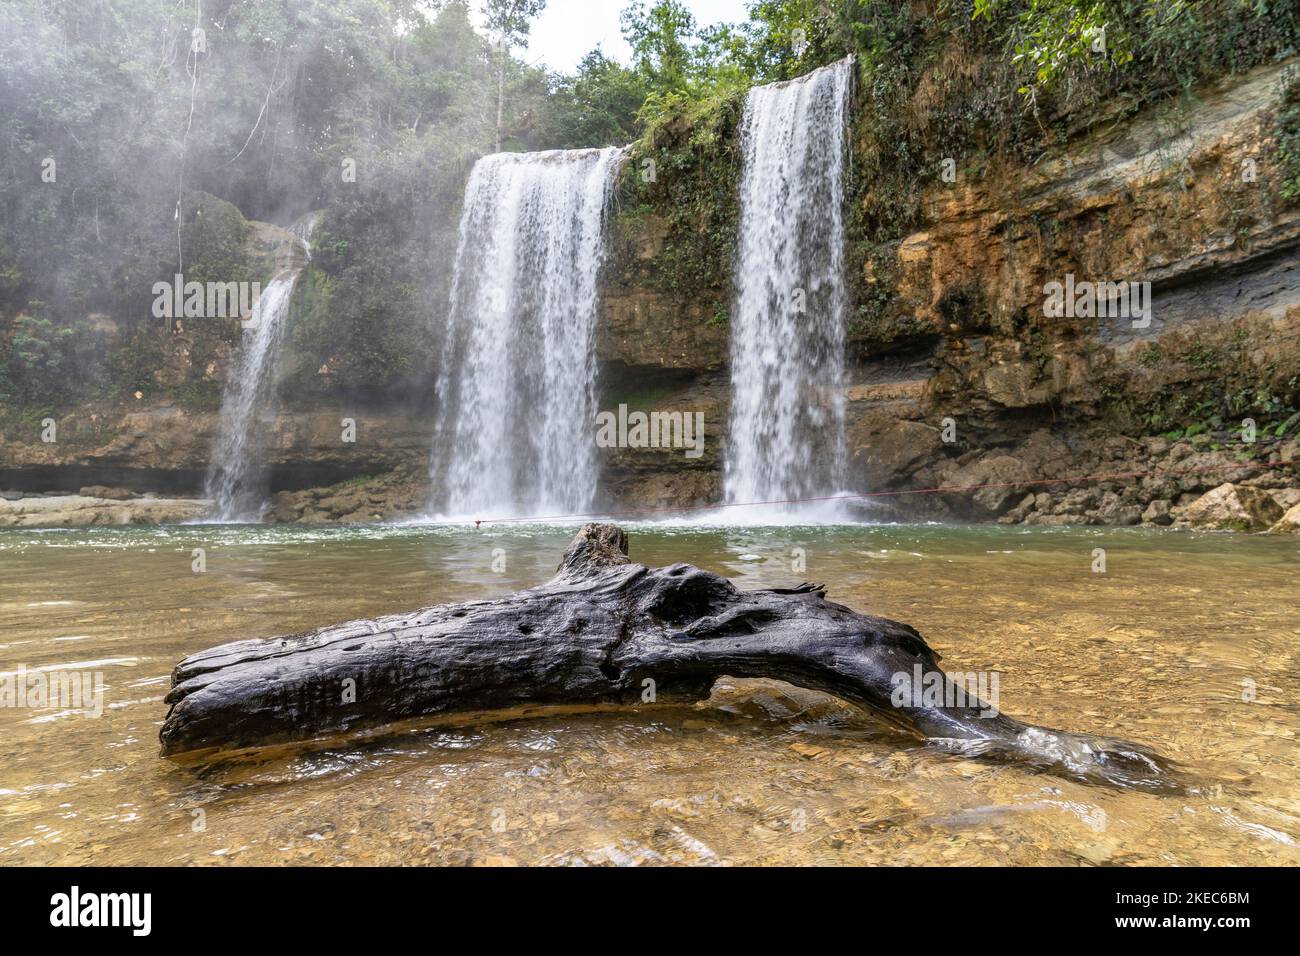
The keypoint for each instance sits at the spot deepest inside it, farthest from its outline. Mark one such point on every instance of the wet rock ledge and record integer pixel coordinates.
(96, 507)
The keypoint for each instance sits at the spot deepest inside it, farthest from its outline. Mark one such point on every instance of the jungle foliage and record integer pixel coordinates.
(141, 134)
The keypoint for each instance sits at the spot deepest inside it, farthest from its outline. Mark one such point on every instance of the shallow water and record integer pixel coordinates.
(1167, 648)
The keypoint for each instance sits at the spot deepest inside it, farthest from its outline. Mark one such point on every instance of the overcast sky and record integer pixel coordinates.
(570, 28)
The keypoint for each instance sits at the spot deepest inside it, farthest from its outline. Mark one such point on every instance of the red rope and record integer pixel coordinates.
(890, 494)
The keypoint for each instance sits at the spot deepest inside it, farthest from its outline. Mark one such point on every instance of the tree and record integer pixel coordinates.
(510, 21)
(662, 41)
(1056, 36)
(784, 38)
(595, 107)
(42, 360)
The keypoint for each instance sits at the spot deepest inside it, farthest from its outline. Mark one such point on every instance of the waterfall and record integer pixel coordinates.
(517, 385)
(236, 475)
(786, 434)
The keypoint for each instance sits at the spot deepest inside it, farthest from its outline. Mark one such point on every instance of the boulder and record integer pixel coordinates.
(1056, 520)
(1232, 507)
(1077, 502)
(285, 507)
(993, 484)
(1288, 498)
(1289, 523)
(895, 450)
(1113, 511)
(1020, 512)
(1157, 512)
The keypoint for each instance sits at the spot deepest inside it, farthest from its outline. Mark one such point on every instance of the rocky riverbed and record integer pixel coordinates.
(1201, 483)
(1065, 475)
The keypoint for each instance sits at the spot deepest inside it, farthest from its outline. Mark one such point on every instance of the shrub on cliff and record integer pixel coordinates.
(1287, 153)
(51, 363)
(213, 236)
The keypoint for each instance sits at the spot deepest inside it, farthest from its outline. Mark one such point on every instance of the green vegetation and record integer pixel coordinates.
(1001, 81)
(41, 359)
(685, 164)
(1220, 382)
(1287, 155)
(509, 22)
(135, 147)
(686, 170)
(132, 149)
(213, 237)
(980, 82)
(598, 105)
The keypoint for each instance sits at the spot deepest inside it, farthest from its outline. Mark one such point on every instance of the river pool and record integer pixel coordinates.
(1187, 643)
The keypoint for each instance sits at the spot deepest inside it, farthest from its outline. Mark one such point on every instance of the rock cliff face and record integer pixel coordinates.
(154, 444)
(1185, 197)
(164, 448)
(966, 383)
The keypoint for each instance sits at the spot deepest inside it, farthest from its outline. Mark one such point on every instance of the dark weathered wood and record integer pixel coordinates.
(595, 633)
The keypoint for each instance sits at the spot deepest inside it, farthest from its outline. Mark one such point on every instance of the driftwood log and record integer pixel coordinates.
(596, 633)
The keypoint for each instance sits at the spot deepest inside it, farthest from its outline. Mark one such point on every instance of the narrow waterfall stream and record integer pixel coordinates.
(517, 387)
(786, 434)
(236, 468)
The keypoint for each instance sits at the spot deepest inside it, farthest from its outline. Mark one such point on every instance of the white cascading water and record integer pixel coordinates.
(517, 390)
(235, 469)
(786, 434)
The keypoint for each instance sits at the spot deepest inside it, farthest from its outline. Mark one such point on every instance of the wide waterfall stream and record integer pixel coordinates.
(786, 435)
(517, 401)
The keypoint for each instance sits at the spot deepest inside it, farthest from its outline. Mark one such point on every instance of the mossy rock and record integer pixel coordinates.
(213, 238)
